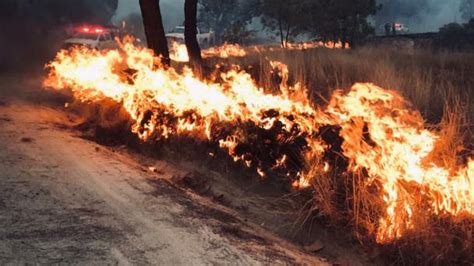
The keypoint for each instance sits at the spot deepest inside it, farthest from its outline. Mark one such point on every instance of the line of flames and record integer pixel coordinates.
(179, 52)
(316, 44)
(395, 154)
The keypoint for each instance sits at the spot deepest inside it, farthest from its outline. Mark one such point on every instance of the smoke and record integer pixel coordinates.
(171, 10)
(419, 15)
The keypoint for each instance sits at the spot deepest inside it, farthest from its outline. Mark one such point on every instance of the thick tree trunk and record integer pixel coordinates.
(190, 31)
(154, 30)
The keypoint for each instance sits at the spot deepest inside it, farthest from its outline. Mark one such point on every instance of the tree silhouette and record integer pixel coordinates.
(190, 30)
(154, 30)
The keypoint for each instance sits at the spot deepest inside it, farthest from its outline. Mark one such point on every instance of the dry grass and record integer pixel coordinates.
(426, 79)
(441, 87)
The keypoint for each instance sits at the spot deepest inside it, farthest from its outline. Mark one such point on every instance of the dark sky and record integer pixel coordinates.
(172, 11)
(419, 15)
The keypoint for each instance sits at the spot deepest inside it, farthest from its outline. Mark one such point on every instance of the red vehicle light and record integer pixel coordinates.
(90, 29)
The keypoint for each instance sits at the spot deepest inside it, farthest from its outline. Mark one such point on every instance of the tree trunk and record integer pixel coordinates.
(190, 31)
(280, 25)
(154, 30)
(282, 38)
(344, 33)
(288, 29)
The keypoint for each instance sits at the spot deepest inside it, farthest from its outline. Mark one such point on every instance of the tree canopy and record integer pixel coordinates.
(223, 16)
(344, 20)
(456, 36)
(288, 18)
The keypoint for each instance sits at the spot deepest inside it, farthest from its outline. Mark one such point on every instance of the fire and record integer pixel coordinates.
(179, 53)
(316, 44)
(225, 51)
(200, 107)
(383, 139)
(392, 144)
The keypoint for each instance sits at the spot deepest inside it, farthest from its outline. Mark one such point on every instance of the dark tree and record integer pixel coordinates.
(190, 30)
(344, 20)
(154, 30)
(225, 16)
(456, 37)
(353, 18)
(218, 15)
(286, 17)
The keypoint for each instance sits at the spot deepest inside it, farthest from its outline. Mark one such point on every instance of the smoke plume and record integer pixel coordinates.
(419, 15)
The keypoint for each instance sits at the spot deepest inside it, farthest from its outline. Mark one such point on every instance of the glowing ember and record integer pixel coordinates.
(382, 139)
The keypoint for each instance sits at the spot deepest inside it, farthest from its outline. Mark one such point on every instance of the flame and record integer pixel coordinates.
(224, 51)
(316, 44)
(179, 52)
(382, 138)
(396, 156)
(199, 106)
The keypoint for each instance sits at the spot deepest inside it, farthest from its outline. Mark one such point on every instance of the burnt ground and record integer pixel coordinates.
(67, 199)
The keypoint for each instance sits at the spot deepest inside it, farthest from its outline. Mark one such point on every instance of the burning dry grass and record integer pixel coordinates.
(368, 155)
(441, 86)
(426, 79)
(179, 52)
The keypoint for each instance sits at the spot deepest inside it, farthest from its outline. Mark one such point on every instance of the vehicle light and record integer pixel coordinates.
(86, 29)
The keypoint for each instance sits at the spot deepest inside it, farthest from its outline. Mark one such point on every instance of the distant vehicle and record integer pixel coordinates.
(204, 38)
(95, 37)
(401, 28)
(395, 28)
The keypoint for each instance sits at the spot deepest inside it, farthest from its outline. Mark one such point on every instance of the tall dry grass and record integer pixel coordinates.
(440, 86)
(426, 79)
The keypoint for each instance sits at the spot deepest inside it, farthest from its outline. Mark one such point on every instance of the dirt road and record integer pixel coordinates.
(64, 199)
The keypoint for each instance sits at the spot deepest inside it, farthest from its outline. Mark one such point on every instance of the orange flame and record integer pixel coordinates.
(179, 53)
(224, 51)
(380, 134)
(397, 154)
(316, 44)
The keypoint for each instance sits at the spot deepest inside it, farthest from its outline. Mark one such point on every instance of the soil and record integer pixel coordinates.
(66, 199)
